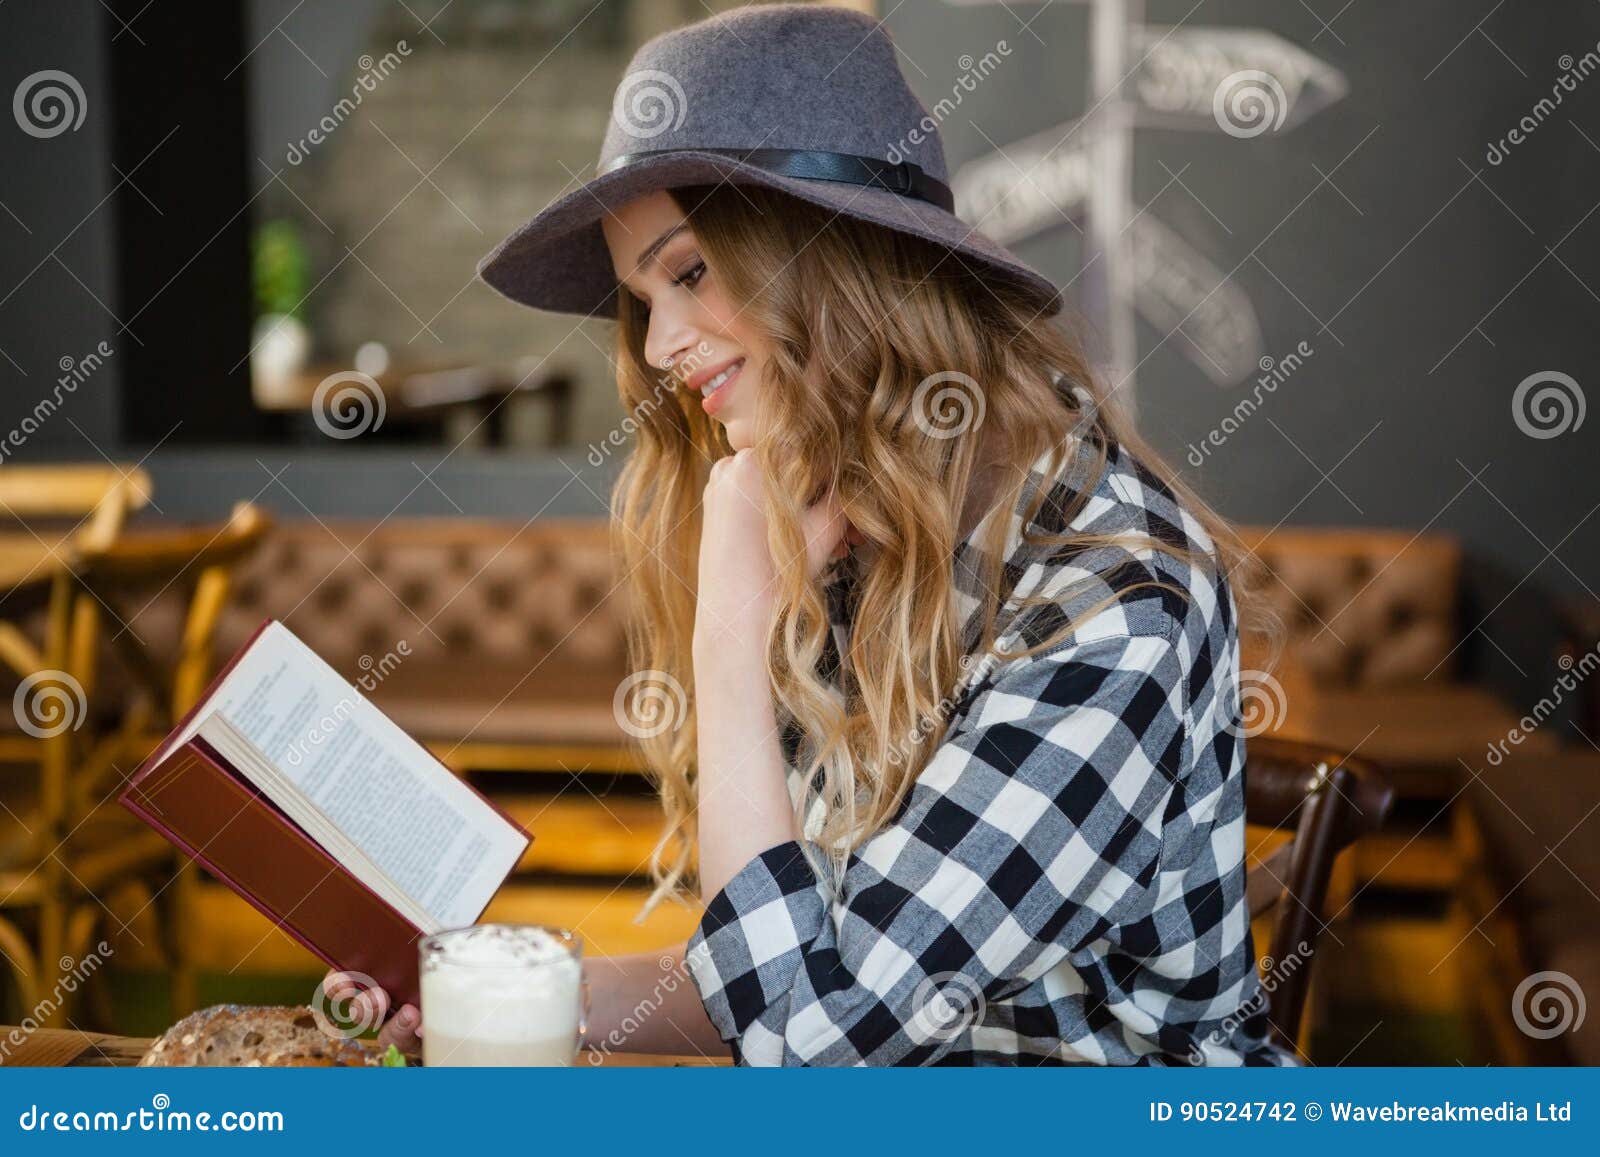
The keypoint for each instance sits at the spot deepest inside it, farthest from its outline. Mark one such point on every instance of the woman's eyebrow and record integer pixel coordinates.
(654, 247)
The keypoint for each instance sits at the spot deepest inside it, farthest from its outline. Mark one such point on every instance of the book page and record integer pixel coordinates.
(424, 829)
(247, 761)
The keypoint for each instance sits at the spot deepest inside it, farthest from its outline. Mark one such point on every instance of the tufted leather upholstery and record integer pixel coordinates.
(1365, 609)
(1372, 662)
(513, 634)
(491, 590)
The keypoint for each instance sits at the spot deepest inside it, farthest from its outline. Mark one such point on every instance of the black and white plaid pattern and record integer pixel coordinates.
(1065, 882)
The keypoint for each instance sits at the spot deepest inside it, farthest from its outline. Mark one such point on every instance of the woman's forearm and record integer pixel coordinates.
(743, 797)
(647, 1002)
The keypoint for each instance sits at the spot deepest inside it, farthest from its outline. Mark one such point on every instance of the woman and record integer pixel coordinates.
(962, 780)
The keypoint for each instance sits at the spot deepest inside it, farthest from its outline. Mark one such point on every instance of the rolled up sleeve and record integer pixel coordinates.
(1035, 827)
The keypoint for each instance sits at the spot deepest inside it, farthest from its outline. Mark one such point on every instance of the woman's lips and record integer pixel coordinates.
(715, 400)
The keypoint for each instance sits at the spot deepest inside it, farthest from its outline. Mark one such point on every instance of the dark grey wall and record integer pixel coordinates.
(56, 230)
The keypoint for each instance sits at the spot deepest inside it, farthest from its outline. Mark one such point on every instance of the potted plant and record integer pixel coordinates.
(280, 342)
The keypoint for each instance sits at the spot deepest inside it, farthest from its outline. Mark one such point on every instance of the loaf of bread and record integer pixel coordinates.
(244, 1035)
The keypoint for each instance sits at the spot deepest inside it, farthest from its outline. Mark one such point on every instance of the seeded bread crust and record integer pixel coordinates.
(249, 1036)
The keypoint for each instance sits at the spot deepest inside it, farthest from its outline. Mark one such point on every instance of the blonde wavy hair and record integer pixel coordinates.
(857, 318)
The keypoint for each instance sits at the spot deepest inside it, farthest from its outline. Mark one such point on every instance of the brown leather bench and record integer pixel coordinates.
(1374, 622)
(501, 644)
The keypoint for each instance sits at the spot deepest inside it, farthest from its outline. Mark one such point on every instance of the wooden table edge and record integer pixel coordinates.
(75, 1048)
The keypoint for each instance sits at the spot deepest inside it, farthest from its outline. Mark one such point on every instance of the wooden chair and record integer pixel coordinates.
(1329, 800)
(48, 515)
(78, 842)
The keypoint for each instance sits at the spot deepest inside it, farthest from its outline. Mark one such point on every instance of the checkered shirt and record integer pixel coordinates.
(1064, 883)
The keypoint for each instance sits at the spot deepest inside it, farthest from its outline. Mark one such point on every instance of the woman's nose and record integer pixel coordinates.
(668, 348)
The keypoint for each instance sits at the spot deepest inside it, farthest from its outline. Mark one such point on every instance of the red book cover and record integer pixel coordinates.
(210, 811)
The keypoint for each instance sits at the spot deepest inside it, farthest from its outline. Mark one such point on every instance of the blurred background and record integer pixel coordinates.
(1341, 259)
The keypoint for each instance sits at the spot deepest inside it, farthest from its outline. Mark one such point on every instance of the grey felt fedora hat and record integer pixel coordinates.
(807, 99)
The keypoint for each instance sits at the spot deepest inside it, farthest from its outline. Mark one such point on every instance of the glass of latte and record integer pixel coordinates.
(501, 994)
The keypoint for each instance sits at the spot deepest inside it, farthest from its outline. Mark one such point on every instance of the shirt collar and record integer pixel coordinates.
(970, 559)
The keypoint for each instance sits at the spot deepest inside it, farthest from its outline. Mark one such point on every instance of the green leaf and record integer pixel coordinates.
(281, 268)
(394, 1058)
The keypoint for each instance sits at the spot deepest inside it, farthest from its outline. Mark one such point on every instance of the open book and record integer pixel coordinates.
(310, 803)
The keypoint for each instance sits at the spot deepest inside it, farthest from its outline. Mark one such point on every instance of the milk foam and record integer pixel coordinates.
(501, 984)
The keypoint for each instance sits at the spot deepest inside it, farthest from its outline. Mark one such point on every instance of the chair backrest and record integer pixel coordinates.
(1329, 799)
(203, 557)
(84, 730)
(97, 498)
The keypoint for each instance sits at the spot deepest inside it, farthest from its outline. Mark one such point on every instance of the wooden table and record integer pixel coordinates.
(72, 1048)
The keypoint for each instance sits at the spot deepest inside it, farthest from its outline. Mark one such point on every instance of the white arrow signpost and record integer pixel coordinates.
(1244, 82)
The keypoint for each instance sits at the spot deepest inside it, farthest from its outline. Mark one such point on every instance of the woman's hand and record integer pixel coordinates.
(737, 572)
(371, 1005)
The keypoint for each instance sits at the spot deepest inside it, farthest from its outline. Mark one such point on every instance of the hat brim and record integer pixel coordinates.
(559, 260)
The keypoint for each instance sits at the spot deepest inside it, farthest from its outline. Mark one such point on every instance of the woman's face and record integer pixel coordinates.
(695, 332)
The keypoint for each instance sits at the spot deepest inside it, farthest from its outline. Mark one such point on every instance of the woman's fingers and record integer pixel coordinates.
(340, 985)
(367, 1004)
(825, 527)
(370, 1005)
(402, 1029)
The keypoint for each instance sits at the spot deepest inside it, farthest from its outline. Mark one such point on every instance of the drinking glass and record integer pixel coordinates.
(502, 994)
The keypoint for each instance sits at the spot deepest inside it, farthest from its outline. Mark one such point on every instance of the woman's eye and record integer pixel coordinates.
(691, 277)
